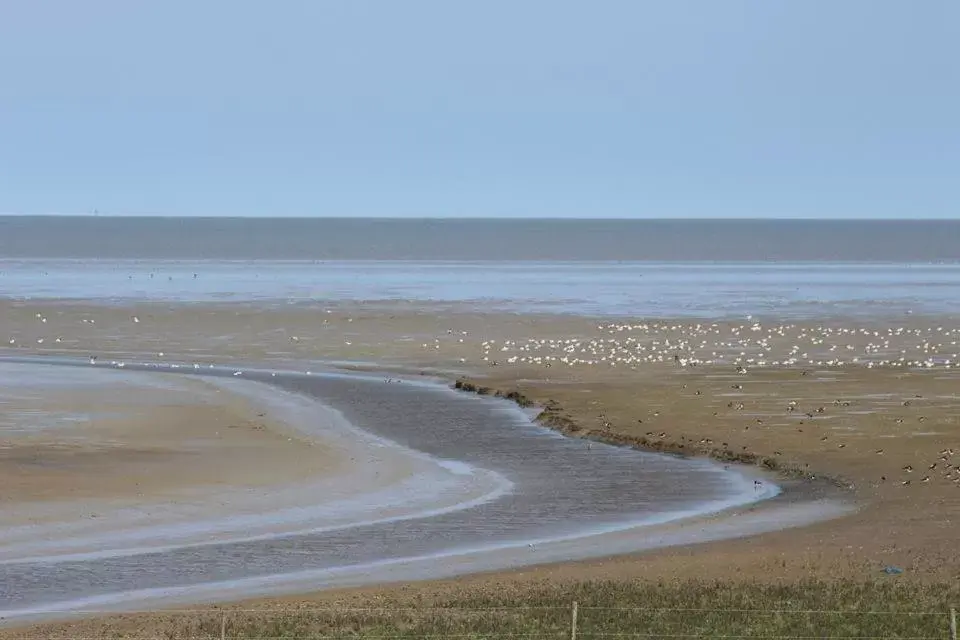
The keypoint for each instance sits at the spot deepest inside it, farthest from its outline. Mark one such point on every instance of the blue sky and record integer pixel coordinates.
(719, 108)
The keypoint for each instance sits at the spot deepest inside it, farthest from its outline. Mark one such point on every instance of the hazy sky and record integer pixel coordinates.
(717, 108)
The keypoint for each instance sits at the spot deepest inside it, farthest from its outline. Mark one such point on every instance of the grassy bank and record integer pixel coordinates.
(881, 609)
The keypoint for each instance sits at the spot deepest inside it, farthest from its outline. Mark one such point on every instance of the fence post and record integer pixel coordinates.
(223, 625)
(953, 623)
(573, 622)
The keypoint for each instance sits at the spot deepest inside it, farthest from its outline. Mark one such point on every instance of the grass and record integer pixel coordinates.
(812, 609)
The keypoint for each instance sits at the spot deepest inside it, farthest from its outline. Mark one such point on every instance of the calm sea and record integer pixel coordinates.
(703, 268)
(479, 240)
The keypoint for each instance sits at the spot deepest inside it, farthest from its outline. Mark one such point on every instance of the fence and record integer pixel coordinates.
(576, 621)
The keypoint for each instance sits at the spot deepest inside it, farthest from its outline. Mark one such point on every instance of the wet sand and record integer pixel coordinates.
(158, 461)
(610, 499)
(69, 435)
(887, 431)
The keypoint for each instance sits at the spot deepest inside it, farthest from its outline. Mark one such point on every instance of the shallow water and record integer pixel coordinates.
(562, 491)
(649, 289)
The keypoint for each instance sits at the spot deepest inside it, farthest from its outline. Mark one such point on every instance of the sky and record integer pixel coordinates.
(533, 108)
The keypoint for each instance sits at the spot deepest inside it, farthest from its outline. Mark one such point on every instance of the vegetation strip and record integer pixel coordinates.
(807, 609)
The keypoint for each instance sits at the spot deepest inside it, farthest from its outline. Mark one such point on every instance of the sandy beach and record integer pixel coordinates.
(868, 409)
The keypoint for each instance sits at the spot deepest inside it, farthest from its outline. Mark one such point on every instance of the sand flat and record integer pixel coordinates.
(139, 437)
(158, 463)
(605, 494)
(887, 418)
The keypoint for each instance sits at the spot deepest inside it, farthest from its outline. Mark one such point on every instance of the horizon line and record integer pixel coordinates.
(472, 218)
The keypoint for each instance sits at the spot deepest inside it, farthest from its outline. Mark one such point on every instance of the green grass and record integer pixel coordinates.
(810, 609)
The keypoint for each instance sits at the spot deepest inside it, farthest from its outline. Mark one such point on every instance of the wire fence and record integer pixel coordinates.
(576, 622)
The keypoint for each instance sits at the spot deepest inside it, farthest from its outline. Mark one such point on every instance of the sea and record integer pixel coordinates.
(633, 268)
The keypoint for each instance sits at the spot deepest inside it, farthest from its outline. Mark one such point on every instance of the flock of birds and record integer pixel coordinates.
(945, 465)
(741, 345)
(744, 345)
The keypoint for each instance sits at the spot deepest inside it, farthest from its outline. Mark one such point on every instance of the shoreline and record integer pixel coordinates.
(876, 422)
(675, 531)
(552, 416)
(382, 477)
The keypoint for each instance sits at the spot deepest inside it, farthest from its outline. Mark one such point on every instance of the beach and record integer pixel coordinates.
(449, 321)
(852, 429)
(157, 427)
(628, 502)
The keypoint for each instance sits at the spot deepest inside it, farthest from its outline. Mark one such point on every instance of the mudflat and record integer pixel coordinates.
(872, 407)
(132, 442)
